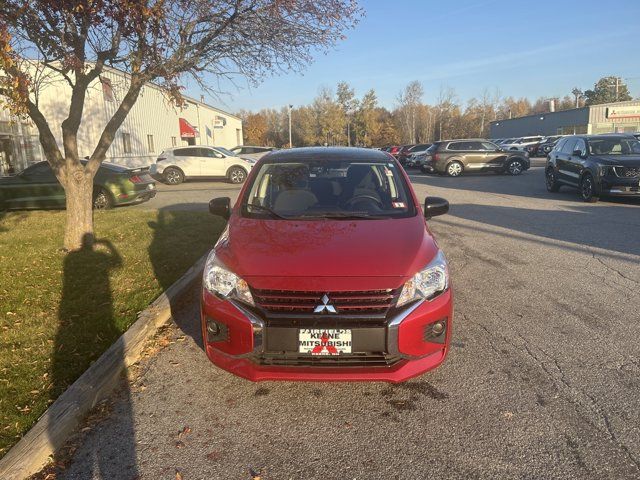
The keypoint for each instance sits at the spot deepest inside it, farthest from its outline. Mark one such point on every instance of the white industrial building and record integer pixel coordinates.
(152, 125)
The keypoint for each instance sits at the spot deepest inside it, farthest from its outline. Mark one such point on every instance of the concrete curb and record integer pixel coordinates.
(60, 420)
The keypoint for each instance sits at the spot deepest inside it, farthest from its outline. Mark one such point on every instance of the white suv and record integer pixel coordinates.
(522, 143)
(175, 164)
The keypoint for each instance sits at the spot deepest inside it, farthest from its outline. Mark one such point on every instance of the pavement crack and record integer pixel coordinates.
(581, 399)
(609, 267)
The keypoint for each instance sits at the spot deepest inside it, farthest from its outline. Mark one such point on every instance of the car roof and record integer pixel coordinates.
(601, 135)
(464, 140)
(328, 153)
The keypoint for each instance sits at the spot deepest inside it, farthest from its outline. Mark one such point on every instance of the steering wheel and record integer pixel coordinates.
(352, 200)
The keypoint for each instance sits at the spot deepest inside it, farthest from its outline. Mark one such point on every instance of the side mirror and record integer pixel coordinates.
(221, 207)
(578, 153)
(434, 206)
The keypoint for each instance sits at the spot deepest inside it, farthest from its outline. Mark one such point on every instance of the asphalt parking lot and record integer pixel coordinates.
(542, 379)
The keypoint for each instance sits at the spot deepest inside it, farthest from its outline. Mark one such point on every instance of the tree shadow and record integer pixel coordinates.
(87, 328)
(173, 230)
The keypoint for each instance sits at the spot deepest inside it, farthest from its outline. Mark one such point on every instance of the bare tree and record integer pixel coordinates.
(409, 100)
(162, 41)
(446, 102)
(347, 100)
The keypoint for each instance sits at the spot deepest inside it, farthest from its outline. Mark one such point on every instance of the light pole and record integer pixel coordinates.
(290, 142)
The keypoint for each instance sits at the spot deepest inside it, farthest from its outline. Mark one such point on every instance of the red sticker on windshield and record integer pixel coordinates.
(398, 204)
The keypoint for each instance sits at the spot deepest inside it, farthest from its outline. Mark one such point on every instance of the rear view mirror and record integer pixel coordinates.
(221, 207)
(434, 206)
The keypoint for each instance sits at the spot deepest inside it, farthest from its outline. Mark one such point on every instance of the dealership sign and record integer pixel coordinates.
(623, 112)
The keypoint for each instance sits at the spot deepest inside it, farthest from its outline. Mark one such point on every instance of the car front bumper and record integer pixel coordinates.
(407, 352)
(620, 187)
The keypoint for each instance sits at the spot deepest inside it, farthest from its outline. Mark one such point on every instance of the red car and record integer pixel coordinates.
(327, 270)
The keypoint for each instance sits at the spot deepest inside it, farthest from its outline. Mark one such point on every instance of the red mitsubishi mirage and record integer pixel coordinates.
(327, 270)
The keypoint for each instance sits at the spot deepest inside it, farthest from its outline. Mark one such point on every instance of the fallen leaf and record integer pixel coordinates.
(178, 475)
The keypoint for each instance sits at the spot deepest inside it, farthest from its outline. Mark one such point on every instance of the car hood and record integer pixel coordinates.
(326, 248)
(623, 160)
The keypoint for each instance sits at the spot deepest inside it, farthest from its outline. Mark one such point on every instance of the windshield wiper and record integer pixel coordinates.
(344, 215)
(265, 209)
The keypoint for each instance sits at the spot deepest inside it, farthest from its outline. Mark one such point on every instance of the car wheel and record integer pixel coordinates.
(551, 180)
(515, 167)
(454, 169)
(237, 175)
(588, 189)
(102, 200)
(173, 176)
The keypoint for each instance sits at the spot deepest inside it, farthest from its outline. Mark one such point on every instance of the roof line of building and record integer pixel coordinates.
(563, 111)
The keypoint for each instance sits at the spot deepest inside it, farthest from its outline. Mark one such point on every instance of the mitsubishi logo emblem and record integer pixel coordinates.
(325, 306)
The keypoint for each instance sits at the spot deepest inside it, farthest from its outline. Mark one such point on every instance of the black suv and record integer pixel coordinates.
(454, 157)
(597, 165)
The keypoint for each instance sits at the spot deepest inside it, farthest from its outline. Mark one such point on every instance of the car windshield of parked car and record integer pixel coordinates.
(328, 189)
(614, 146)
(225, 152)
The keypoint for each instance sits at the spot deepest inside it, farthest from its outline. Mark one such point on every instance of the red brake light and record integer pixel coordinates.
(136, 179)
(436, 157)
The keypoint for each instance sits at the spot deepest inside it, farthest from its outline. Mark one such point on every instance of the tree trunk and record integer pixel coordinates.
(79, 227)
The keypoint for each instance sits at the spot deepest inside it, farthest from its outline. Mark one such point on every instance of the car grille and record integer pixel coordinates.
(627, 172)
(365, 302)
(345, 360)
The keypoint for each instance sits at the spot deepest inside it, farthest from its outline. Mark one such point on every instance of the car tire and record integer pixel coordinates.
(551, 180)
(173, 176)
(237, 175)
(455, 169)
(587, 189)
(515, 167)
(102, 200)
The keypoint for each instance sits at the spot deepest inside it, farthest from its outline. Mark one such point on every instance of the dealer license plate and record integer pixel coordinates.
(322, 341)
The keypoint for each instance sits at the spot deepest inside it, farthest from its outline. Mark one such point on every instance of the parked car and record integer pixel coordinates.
(303, 284)
(522, 143)
(174, 165)
(416, 154)
(454, 157)
(250, 152)
(393, 150)
(543, 148)
(404, 153)
(597, 165)
(37, 187)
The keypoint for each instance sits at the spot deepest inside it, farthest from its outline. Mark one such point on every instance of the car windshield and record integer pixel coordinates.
(332, 189)
(225, 152)
(614, 146)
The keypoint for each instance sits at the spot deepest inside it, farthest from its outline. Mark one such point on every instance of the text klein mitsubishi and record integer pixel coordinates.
(327, 270)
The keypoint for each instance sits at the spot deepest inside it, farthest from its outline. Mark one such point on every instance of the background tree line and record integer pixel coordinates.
(340, 117)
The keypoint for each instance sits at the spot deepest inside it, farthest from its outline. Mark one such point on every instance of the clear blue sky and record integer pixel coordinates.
(523, 48)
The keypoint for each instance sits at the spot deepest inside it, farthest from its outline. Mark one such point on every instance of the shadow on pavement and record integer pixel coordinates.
(172, 231)
(86, 324)
(529, 184)
(583, 225)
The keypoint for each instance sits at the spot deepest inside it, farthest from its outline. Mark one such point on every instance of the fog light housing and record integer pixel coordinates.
(216, 331)
(436, 332)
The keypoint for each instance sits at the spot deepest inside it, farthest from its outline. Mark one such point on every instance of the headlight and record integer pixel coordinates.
(224, 283)
(427, 283)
